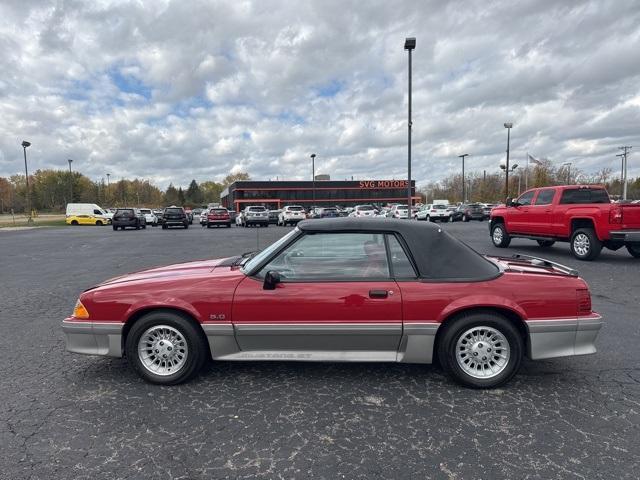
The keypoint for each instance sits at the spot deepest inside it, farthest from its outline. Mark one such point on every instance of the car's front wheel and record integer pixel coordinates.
(499, 236)
(165, 348)
(481, 350)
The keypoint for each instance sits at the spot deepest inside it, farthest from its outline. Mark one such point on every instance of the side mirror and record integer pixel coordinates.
(511, 203)
(271, 279)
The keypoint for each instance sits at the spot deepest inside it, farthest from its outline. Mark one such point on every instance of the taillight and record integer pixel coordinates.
(584, 301)
(615, 215)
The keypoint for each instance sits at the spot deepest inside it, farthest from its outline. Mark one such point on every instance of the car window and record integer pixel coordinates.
(545, 197)
(584, 195)
(145, 211)
(173, 210)
(526, 198)
(332, 256)
(400, 263)
(97, 212)
(218, 211)
(365, 207)
(295, 209)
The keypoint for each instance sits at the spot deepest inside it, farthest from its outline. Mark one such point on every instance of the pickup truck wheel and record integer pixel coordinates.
(481, 350)
(634, 250)
(545, 243)
(585, 245)
(165, 348)
(499, 236)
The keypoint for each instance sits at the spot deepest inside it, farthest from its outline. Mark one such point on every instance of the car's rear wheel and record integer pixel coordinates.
(74, 222)
(634, 250)
(99, 223)
(165, 348)
(585, 245)
(481, 350)
(545, 243)
(499, 236)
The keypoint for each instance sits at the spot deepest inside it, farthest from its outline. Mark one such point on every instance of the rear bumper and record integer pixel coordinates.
(551, 338)
(219, 222)
(627, 236)
(93, 338)
(256, 220)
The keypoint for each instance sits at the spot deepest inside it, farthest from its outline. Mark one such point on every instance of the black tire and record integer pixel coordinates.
(144, 226)
(585, 245)
(228, 225)
(138, 227)
(545, 243)
(164, 226)
(208, 226)
(634, 250)
(186, 225)
(455, 330)
(197, 348)
(115, 228)
(501, 240)
(74, 222)
(99, 223)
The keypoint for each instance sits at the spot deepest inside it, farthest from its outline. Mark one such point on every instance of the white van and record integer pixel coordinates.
(87, 214)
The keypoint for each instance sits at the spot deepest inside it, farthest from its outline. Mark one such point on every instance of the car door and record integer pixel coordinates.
(335, 300)
(518, 219)
(541, 212)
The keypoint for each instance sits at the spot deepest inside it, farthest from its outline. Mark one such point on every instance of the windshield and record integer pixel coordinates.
(365, 207)
(145, 211)
(440, 207)
(173, 210)
(295, 209)
(256, 209)
(257, 259)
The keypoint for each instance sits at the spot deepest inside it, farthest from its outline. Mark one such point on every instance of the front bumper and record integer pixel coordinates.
(627, 236)
(93, 338)
(551, 338)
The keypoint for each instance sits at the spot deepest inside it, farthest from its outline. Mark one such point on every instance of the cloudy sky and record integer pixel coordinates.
(175, 90)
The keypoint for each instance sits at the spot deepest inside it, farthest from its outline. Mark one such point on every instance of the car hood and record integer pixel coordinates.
(187, 269)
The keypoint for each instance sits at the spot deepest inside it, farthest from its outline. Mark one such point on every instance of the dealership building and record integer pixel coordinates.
(328, 193)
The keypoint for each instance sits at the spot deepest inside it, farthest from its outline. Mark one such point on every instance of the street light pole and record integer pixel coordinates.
(409, 45)
(464, 189)
(70, 182)
(568, 165)
(313, 179)
(26, 144)
(508, 126)
(625, 150)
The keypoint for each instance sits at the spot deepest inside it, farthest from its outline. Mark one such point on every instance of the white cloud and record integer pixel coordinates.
(179, 89)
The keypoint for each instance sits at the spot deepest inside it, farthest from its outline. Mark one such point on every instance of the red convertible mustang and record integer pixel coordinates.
(363, 290)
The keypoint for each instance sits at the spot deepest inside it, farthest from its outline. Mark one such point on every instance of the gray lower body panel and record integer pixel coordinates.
(563, 337)
(362, 342)
(94, 338)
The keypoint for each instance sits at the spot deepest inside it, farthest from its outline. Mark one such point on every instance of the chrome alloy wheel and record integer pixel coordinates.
(162, 350)
(498, 234)
(482, 352)
(581, 244)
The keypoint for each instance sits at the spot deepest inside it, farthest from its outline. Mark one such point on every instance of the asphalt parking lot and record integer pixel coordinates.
(70, 416)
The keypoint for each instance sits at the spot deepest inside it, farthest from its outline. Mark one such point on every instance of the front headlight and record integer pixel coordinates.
(80, 311)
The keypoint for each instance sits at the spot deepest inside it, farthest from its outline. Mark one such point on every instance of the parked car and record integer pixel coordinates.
(433, 213)
(273, 216)
(582, 215)
(128, 217)
(400, 211)
(291, 215)
(486, 209)
(217, 217)
(471, 211)
(456, 213)
(149, 217)
(203, 217)
(255, 215)
(174, 217)
(363, 211)
(326, 212)
(87, 214)
(375, 290)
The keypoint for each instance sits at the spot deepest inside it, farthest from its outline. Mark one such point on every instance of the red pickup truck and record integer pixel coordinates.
(582, 215)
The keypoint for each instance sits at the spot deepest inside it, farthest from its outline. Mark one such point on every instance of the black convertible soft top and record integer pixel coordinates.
(438, 255)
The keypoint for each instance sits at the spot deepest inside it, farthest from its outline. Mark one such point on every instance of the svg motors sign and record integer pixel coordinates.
(384, 184)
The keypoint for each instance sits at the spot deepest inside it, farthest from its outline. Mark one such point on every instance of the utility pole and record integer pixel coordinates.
(409, 46)
(508, 126)
(464, 190)
(26, 144)
(70, 182)
(625, 151)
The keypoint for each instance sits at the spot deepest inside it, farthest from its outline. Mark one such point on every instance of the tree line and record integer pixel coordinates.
(490, 187)
(51, 190)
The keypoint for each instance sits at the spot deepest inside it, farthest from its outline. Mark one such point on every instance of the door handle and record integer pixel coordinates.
(378, 294)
